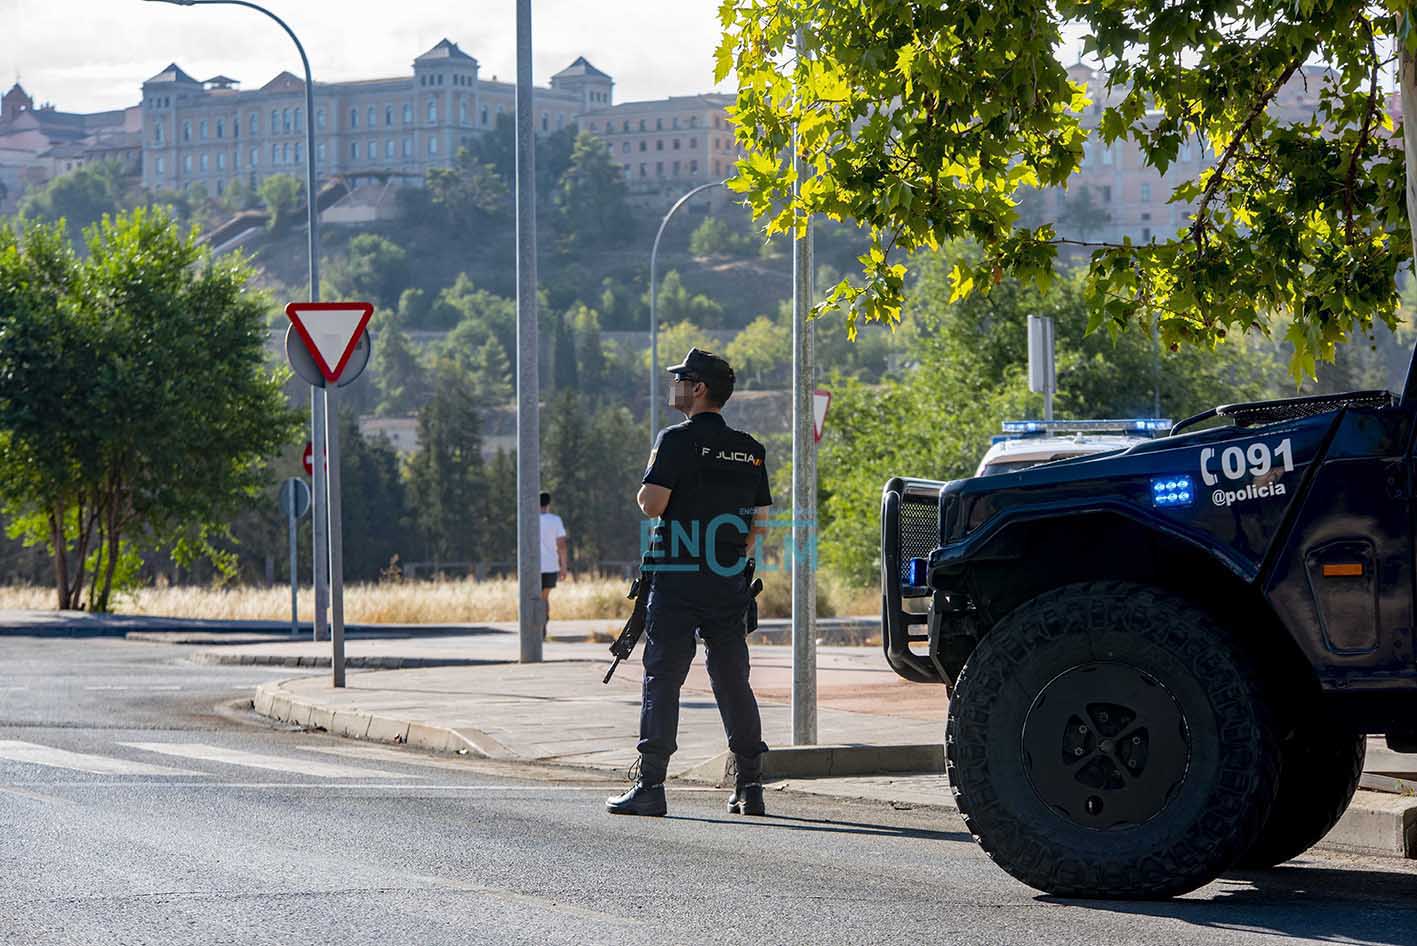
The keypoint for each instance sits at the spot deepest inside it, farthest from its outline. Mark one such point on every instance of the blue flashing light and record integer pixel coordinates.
(917, 573)
(1136, 425)
(1172, 491)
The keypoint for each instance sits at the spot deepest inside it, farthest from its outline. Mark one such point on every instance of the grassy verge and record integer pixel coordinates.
(433, 602)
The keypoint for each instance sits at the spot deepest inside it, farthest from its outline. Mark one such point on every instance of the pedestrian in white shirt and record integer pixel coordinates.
(553, 555)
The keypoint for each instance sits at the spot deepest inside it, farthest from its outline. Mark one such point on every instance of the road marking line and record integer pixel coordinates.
(390, 755)
(14, 750)
(255, 760)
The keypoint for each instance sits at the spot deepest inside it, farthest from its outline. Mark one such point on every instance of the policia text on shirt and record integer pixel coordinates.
(708, 484)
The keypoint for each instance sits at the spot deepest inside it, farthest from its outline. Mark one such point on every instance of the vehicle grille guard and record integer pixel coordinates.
(910, 528)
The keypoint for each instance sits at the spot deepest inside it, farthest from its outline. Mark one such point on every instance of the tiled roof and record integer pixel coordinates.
(173, 73)
(706, 100)
(445, 50)
(581, 67)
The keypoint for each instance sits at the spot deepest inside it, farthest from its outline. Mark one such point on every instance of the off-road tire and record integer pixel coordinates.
(1214, 809)
(1320, 766)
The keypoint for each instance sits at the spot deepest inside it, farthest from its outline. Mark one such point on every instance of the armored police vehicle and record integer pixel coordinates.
(1162, 660)
(1026, 443)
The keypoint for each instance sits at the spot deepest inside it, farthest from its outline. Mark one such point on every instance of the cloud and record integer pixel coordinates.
(86, 55)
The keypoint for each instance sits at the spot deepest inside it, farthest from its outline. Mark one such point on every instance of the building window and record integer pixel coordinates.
(354, 118)
(236, 126)
(1146, 191)
(676, 121)
(560, 121)
(275, 120)
(693, 121)
(659, 144)
(462, 111)
(221, 161)
(595, 127)
(625, 148)
(545, 121)
(285, 153)
(499, 110)
(484, 115)
(676, 144)
(389, 149)
(627, 125)
(422, 80)
(202, 130)
(408, 147)
(1146, 234)
(354, 151)
(1107, 155)
(675, 171)
(693, 143)
(372, 150)
(255, 122)
(407, 114)
(299, 152)
(373, 116)
(433, 145)
(161, 167)
(236, 158)
(717, 169)
(299, 119)
(186, 131)
(644, 145)
(220, 128)
(320, 152)
(255, 156)
(432, 110)
(693, 167)
(659, 124)
(157, 133)
(642, 169)
(320, 119)
(1107, 193)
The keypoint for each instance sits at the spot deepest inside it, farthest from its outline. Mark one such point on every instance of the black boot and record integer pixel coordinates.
(646, 796)
(747, 797)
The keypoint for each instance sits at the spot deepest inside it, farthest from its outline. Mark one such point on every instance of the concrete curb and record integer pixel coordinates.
(803, 762)
(1376, 823)
(352, 663)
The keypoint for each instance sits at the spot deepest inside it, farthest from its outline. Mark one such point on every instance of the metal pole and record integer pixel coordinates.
(529, 612)
(653, 316)
(294, 571)
(319, 505)
(804, 475)
(336, 540)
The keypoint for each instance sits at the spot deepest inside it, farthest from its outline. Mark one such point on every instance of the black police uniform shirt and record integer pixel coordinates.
(718, 476)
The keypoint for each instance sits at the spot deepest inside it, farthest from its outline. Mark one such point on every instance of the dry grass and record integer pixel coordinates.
(420, 602)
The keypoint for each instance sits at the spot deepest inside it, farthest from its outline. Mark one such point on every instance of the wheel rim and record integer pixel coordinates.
(1106, 745)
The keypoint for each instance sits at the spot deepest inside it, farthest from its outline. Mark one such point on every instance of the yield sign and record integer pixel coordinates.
(821, 400)
(330, 331)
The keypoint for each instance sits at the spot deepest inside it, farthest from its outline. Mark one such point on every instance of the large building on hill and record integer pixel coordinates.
(211, 132)
(666, 146)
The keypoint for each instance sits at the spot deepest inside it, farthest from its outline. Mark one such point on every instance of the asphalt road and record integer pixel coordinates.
(139, 804)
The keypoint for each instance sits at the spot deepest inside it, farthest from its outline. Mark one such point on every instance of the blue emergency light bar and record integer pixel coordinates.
(917, 572)
(1132, 425)
(1171, 491)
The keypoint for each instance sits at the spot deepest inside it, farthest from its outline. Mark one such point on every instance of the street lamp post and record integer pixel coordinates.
(653, 314)
(318, 402)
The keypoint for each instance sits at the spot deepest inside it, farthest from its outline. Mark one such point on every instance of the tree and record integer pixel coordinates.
(676, 303)
(592, 476)
(81, 197)
(923, 122)
(713, 237)
(398, 373)
(498, 148)
(564, 373)
(675, 340)
(492, 371)
(168, 392)
(375, 505)
(282, 195)
(761, 353)
(445, 478)
(470, 195)
(1082, 216)
(376, 269)
(590, 353)
(590, 197)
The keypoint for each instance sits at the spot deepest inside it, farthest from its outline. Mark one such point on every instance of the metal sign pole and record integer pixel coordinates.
(529, 604)
(319, 515)
(294, 571)
(336, 538)
(804, 476)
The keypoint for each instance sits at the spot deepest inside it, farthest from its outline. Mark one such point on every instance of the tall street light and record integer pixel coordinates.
(654, 315)
(318, 404)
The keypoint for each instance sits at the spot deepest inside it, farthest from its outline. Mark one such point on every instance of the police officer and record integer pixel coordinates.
(708, 484)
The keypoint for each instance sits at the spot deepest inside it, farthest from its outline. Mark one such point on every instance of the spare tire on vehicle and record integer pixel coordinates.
(1111, 740)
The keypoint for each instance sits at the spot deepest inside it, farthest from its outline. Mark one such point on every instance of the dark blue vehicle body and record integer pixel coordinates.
(1294, 525)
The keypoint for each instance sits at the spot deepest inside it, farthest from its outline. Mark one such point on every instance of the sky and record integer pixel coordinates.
(90, 55)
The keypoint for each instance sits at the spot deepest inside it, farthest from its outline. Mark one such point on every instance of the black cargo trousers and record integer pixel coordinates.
(671, 620)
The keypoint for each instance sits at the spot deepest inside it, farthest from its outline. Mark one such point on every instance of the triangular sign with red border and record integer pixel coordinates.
(821, 400)
(330, 331)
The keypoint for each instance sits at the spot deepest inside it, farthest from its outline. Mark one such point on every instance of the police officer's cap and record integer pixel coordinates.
(705, 366)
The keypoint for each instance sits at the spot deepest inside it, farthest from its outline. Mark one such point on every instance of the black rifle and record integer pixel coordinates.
(634, 628)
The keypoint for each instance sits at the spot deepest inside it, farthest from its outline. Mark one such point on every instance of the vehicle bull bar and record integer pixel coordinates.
(910, 528)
